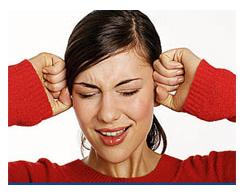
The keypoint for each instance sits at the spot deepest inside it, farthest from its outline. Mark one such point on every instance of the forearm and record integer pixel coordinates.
(212, 95)
(27, 100)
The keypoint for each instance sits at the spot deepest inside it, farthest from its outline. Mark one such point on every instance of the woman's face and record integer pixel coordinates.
(114, 105)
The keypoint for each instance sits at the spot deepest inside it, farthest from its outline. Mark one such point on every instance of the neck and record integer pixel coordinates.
(141, 162)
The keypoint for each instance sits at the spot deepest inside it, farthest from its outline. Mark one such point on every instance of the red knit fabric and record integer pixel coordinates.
(212, 97)
(212, 94)
(27, 102)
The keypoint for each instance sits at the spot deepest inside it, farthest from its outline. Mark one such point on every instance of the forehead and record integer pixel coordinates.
(125, 64)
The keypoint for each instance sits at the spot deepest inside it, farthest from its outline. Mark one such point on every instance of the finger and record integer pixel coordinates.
(168, 87)
(56, 67)
(51, 59)
(55, 78)
(171, 55)
(170, 65)
(167, 81)
(65, 97)
(164, 97)
(171, 72)
(63, 103)
(55, 87)
(55, 95)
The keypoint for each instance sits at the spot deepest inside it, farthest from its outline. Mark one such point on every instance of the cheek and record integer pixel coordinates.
(84, 118)
(141, 107)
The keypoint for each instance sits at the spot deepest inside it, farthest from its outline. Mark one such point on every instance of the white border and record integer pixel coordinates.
(130, 4)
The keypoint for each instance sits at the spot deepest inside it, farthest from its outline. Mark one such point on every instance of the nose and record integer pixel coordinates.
(108, 111)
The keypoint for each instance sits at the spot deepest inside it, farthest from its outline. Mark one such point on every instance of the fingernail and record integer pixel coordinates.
(180, 80)
(179, 66)
(179, 72)
(45, 71)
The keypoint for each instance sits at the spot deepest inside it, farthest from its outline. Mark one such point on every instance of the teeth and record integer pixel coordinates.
(116, 133)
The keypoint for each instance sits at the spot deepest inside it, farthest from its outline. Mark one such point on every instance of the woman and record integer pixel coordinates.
(114, 74)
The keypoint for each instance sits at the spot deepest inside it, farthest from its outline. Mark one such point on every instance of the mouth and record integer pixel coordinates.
(112, 132)
(112, 137)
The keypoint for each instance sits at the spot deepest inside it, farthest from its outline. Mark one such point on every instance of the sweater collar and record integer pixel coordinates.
(163, 172)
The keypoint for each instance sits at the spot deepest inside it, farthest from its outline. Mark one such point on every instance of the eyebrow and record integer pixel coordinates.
(89, 85)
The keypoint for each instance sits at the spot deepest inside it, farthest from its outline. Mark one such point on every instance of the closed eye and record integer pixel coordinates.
(125, 93)
(87, 95)
(129, 93)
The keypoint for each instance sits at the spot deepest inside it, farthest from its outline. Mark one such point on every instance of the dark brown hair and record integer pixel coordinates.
(104, 33)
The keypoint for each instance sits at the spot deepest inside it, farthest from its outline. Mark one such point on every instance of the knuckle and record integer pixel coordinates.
(44, 54)
(156, 61)
(159, 78)
(171, 82)
(168, 66)
(155, 75)
(157, 69)
(52, 79)
(176, 73)
(166, 73)
(155, 65)
(48, 78)
(53, 70)
(185, 49)
(161, 55)
(55, 87)
(164, 56)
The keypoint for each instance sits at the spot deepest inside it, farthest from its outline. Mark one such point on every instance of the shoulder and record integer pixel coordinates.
(41, 171)
(214, 167)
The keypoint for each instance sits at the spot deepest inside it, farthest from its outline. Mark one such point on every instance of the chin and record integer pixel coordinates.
(115, 156)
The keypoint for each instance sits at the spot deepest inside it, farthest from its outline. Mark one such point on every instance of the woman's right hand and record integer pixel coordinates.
(52, 73)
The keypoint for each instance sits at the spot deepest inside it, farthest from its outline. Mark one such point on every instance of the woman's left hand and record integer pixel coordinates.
(173, 74)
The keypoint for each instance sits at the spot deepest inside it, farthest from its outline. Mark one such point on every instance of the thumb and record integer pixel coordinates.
(164, 97)
(63, 102)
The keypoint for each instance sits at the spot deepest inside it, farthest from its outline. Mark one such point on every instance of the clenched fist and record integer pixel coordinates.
(173, 74)
(51, 71)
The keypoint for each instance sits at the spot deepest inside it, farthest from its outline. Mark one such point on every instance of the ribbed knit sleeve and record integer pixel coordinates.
(215, 167)
(212, 95)
(27, 101)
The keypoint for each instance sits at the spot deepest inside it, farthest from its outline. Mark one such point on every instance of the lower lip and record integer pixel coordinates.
(114, 140)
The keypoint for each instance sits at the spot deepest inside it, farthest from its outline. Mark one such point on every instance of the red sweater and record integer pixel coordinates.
(212, 97)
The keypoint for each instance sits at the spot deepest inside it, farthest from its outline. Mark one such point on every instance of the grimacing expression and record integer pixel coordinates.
(115, 93)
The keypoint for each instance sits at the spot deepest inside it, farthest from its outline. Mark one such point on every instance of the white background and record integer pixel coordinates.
(75, 5)
(209, 34)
